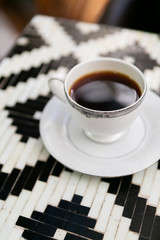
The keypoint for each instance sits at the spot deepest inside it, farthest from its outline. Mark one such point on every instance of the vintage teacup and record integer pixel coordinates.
(102, 124)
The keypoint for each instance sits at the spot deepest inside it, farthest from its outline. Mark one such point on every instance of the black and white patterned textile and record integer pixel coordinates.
(39, 197)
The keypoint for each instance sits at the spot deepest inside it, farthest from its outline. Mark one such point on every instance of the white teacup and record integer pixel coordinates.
(100, 126)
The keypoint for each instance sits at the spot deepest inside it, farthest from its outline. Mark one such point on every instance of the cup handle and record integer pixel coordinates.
(56, 85)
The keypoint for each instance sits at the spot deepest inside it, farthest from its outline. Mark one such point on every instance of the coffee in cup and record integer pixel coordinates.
(105, 91)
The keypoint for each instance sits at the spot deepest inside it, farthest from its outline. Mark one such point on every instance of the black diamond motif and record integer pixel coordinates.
(71, 28)
(47, 222)
(141, 59)
(34, 40)
(22, 115)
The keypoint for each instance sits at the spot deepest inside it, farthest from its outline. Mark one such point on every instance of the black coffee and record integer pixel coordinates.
(105, 91)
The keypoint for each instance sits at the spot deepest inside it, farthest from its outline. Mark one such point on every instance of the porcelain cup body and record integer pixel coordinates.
(102, 126)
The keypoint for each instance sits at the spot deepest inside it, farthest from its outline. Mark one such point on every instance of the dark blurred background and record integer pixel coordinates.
(134, 14)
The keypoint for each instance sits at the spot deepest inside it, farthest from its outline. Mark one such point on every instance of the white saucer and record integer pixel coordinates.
(136, 150)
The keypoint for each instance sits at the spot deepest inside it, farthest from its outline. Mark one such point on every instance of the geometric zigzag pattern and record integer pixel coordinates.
(39, 197)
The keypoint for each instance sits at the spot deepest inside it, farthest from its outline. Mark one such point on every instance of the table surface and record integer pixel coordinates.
(39, 197)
